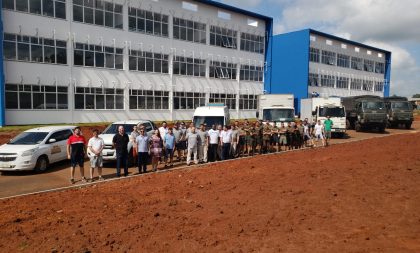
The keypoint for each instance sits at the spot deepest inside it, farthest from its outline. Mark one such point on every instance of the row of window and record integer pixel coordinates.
(48, 8)
(34, 49)
(148, 22)
(345, 61)
(109, 14)
(36, 97)
(98, 12)
(98, 56)
(332, 81)
(45, 97)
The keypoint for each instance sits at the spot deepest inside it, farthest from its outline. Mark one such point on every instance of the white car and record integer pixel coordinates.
(35, 149)
(108, 153)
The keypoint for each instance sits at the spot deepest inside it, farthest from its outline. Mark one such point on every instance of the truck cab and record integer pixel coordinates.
(399, 112)
(336, 113)
(278, 115)
(365, 112)
(212, 114)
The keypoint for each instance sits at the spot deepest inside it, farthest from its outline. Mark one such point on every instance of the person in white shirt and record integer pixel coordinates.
(202, 144)
(213, 143)
(319, 133)
(163, 130)
(95, 146)
(225, 141)
(193, 139)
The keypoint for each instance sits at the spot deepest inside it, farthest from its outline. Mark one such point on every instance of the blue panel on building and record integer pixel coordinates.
(2, 102)
(290, 65)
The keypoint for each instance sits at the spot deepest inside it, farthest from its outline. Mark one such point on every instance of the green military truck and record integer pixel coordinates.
(365, 113)
(399, 111)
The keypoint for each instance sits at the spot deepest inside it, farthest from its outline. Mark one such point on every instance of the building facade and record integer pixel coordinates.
(74, 61)
(309, 62)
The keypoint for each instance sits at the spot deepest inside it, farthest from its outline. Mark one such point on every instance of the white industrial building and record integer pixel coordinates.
(74, 61)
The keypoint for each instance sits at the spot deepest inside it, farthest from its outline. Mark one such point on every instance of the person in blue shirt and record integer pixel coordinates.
(143, 149)
(169, 144)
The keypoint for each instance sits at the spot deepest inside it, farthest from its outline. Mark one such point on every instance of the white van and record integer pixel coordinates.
(212, 114)
(35, 149)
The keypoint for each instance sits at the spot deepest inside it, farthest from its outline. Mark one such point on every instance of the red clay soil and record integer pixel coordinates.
(356, 197)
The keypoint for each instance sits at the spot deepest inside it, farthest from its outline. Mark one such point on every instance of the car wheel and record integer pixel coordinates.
(41, 164)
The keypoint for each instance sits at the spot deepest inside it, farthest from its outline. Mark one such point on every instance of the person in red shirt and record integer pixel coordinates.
(76, 151)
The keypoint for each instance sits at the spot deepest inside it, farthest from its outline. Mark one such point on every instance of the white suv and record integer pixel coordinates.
(108, 153)
(35, 149)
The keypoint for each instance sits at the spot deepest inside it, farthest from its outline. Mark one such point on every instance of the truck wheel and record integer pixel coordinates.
(358, 127)
(407, 126)
(381, 129)
(41, 164)
(348, 125)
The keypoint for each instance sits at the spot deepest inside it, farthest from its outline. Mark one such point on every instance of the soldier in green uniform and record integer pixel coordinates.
(282, 137)
(259, 128)
(252, 139)
(274, 141)
(266, 138)
(246, 130)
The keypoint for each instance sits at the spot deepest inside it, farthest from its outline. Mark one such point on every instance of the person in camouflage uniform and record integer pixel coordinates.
(259, 128)
(266, 138)
(274, 142)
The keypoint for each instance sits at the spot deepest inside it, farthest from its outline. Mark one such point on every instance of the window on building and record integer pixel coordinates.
(356, 84)
(36, 97)
(314, 54)
(98, 12)
(367, 85)
(149, 99)
(98, 56)
(49, 8)
(34, 49)
(251, 73)
(357, 63)
(227, 99)
(379, 67)
(98, 98)
(148, 22)
(379, 86)
(222, 70)
(189, 66)
(248, 102)
(342, 82)
(188, 100)
(343, 60)
(327, 81)
(252, 43)
(368, 65)
(188, 30)
(313, 79)
(148, 62)
(223, 37)
(328, 57)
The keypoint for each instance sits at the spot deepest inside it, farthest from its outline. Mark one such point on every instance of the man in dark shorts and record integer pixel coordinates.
(120, 143)
(76, 150)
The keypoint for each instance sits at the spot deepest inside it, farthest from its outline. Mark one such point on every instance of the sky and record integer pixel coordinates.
(393, 25)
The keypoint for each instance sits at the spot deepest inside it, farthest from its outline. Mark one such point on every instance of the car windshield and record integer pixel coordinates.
(209, 120)
(331, 111)
(373, 105)
(29, 138)
(400, 105)
(113, 128)
(277, 114)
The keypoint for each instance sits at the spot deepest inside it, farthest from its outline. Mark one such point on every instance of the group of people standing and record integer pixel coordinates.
(194, 145)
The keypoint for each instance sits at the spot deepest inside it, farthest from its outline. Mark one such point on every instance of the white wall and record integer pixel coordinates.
(71, 76)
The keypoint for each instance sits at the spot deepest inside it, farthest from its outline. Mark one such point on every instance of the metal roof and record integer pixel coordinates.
(235, 9)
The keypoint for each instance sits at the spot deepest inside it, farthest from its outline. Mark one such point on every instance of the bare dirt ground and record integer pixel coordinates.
(355, 197)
